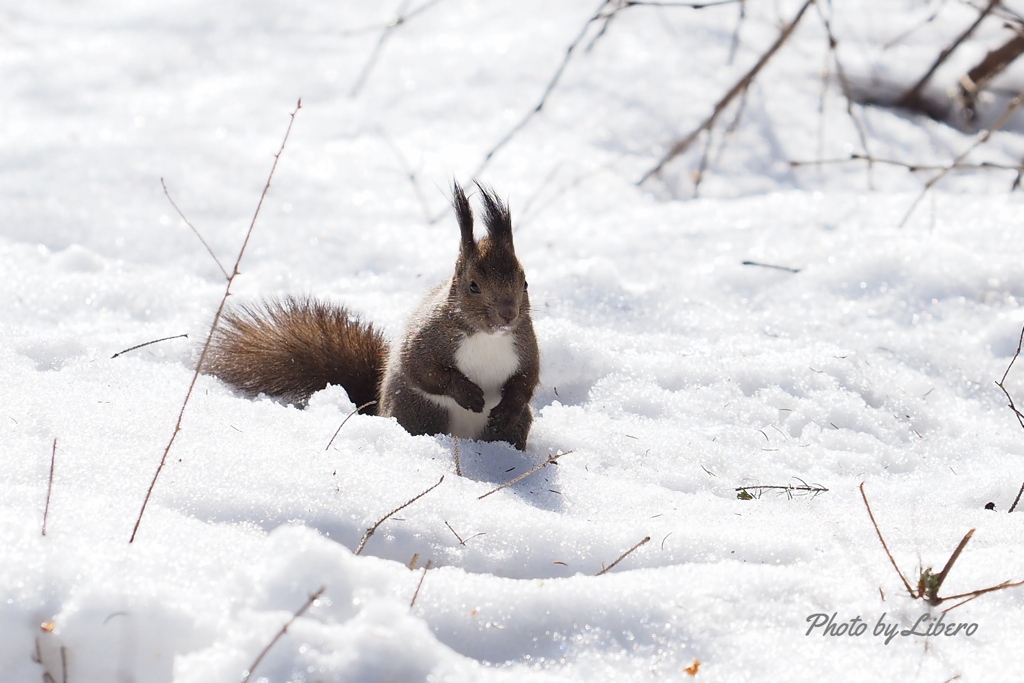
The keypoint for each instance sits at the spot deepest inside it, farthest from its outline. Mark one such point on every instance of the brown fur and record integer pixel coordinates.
(294, 347)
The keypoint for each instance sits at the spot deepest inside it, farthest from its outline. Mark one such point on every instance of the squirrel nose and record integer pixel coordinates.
(507, 312)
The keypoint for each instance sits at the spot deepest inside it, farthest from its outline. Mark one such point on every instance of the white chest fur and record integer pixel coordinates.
(488, 360)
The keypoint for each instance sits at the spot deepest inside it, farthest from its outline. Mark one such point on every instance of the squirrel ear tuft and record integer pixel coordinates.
(498, 219)
(464, 215)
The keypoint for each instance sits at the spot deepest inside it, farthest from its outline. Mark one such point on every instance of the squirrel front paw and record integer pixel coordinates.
(468, 395)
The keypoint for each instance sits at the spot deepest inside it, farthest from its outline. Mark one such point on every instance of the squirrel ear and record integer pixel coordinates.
(464, 215)
(498, 220)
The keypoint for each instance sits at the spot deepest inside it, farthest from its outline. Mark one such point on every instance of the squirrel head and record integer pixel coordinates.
(489, 285)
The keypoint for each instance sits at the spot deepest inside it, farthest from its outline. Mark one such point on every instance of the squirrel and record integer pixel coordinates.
(467, 364)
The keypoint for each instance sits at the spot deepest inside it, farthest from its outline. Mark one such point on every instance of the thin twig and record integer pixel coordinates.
(402, 17)
(880, 538)
(64, 664)
(49, 485)
(844, 86)
(458, 458)
(936, 585)
(216, 320)
(524, 475)
(809, 488)
(1017, 499)
(913, 168)
(461, 540)
(420, 584)
(373, 529)
(769, 265)
(1002, 385)
(284, 629)
(1010, 108)
(410, 174)
(338, 430)
(155, 341)
(741, 85)
(189, 224)
(912, 97)
(623, 556)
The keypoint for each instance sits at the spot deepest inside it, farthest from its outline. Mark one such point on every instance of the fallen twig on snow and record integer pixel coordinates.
(623, 556)
(373, 529)
(284, 629)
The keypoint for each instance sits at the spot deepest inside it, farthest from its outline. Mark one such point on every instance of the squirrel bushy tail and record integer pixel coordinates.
(293, 347)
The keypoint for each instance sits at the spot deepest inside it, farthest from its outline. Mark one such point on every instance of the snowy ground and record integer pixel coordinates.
(673, 373)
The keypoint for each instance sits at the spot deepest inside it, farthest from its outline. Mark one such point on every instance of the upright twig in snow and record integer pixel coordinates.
(373, 529)
(49, 485)
(420, 584)
(458, 458)
(684, 144)
(551, 459)
(284, 629)
(623, 556)
(216, 321)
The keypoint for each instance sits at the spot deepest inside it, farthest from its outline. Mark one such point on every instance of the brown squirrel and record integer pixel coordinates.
(467, 364)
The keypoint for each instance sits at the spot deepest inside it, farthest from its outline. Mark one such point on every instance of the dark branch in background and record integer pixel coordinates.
(402, 18)
(898, 40)
(411, 175)
(844, 86)
(684, 144)
(913, 168)
(601, 13)
(912, 98)
(155, 341)
(216, 320)
(769, 265)
(734, 44)
(623, 556)
(1010, 108)
(975, 80)
(551, 459)
(49, 486)
(338, 430)
(284, 629)
(373, 529)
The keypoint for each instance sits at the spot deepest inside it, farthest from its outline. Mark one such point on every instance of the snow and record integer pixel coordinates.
(672, 372)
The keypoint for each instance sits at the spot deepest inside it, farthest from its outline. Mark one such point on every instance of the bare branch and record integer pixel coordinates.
(682, 145)
(213, 325)
(402, 17)
(913, 96)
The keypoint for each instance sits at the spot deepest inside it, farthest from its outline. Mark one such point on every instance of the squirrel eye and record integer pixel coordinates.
(474, 287)
(526, 285)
